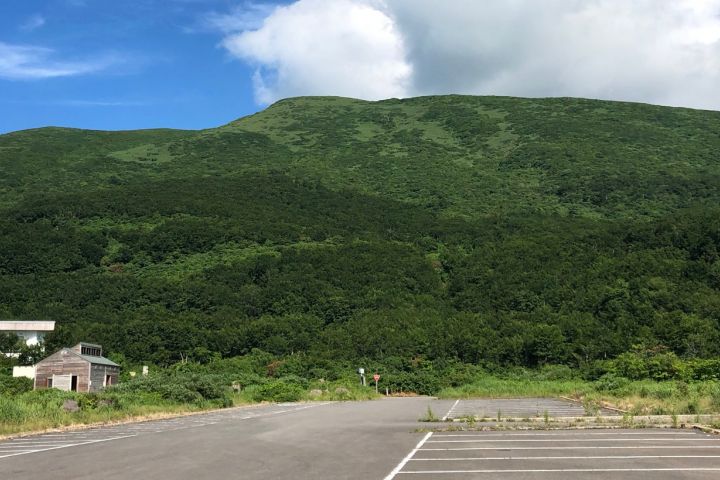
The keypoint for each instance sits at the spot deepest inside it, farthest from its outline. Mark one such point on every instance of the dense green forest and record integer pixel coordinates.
(482, 230)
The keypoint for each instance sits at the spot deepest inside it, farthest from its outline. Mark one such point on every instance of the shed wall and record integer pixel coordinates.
(98, 373)
(63, 363)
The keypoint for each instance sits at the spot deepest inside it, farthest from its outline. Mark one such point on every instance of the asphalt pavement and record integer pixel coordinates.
(344, 440)
(355, 440)
(637, 454)
(519, 408)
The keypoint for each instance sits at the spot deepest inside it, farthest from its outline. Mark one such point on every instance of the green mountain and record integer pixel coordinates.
(491, 230)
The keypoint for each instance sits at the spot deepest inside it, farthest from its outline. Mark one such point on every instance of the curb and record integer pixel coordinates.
(706, 429)
(602, 405)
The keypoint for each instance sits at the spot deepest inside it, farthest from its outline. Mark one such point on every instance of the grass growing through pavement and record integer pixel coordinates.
(429, 416)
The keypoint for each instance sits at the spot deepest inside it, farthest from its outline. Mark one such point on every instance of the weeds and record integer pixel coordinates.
(640, 397)
(429, 416)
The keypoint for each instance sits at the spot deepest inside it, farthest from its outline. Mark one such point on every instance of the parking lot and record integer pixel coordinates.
(573, 454)
(358, 441)
(58, 440)
(518, 408)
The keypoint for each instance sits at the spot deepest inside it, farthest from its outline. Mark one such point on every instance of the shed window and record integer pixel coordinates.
(49, 382)
(93, 351)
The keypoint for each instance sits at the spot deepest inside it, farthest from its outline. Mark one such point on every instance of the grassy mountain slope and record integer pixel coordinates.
(487, 229)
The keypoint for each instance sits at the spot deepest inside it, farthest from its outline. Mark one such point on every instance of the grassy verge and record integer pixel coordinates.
(641, 397)
(494, 387)
(42, 410)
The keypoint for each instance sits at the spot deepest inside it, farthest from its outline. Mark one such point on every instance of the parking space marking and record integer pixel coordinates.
(595, 457)
(504, 454)
(57, 447)
(519, 408)
(407, 458)
(57, 440)
(558, 433)
(556, 440)
(449, 413)
(565, 470)
(599, 447)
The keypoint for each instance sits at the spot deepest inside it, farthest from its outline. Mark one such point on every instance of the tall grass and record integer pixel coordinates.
(641, 397)
(500, 387)
(42, 410)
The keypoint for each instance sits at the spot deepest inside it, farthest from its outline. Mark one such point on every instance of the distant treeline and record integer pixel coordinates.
(286, 267)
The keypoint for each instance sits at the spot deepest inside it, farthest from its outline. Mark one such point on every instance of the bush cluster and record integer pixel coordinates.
(180, 387)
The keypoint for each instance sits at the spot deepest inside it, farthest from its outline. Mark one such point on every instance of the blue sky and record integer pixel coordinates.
(124, 64)
(127, 64)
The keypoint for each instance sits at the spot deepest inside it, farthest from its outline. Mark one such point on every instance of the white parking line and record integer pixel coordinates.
(592, 457)
(38, 444)
(451, 410)
(601, 447)
(56, 440)
(512, 453)
(563, 470)
(407, 458)
(57, 447)
(556, 440)
(561, 433)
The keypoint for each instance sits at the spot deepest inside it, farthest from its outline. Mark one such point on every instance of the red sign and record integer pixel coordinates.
(376, 377)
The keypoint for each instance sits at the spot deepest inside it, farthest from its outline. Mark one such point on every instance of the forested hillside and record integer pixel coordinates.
(495, 231)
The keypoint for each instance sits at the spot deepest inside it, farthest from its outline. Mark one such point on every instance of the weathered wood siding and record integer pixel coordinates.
(98, 373)
(63, 362)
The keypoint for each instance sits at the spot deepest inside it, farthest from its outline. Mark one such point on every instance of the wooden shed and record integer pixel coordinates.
(81, 368)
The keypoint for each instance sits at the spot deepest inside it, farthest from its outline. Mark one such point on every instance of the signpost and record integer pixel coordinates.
(361, 371)
(376, 377)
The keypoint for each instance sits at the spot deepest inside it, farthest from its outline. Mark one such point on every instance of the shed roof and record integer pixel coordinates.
(27, 325)
(88, 358)
(98, 360)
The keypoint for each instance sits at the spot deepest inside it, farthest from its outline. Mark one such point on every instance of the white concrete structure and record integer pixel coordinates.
(28, 372)
(31, 331)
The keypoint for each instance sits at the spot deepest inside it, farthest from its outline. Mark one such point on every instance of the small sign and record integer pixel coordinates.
(376, 377)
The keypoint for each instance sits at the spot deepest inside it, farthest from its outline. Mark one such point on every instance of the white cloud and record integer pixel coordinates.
(319, 47)
(659, 51)
(33, 23)
(248, 16)
(23, 62)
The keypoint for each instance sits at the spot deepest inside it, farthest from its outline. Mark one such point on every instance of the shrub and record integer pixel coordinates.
(662, 366)
(295, 380)
(276, 391)
(11, 411)
(181, 387)
(630, 365)
(420, 382)
(556, 372)
(243, 380)
(611, 383)
(15, 386)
